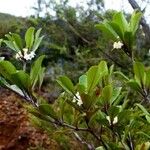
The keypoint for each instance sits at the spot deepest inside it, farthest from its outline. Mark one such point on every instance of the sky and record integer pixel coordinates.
(23, 7)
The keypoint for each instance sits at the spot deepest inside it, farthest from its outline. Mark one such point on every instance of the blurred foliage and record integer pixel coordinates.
(72, 44)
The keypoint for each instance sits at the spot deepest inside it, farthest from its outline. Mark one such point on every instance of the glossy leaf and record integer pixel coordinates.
(113, 111)
(143, 109)
(29, 37)
(134, 85)
(128, 40)
(10, 45)
(82, 86)
(115, 94)
(93, 77)
(36, 71)
(107, 30)
(139, 72)
(117, 29)
(37, 40)
(134, 21)
(17, 40)
(120, 19)
(66, 84)
(123, 76)
(147, 80)
(107, 92)
(21, 79)
(148, 118)
(94, 74)
(6, 69)
(41, 76)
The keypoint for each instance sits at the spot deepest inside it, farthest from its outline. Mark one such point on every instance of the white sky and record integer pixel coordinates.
(17, 7)
(23, 7)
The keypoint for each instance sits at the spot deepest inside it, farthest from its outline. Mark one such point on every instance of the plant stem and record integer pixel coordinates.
(24, 65)
(90, 146)
(131, 142)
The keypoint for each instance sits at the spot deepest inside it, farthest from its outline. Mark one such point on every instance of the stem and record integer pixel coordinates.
(121, 141)
(131, 142)
(24, 65)
(99, 138)
(90, 146)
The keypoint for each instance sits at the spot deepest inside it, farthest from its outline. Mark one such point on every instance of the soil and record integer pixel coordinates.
(16, 132)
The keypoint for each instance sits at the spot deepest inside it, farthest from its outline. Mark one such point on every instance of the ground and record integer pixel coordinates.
(16, 132)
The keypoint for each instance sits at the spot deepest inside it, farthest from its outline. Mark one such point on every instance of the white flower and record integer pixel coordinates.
(32, 54)
(117, 45)
(19, 55)
(115, 120)
(77, 99)
(79, 102)
(29, 56)
(108, 118)
(25, 50)
(25, 55)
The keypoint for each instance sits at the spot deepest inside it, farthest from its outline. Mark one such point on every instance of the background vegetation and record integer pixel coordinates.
(72, 44)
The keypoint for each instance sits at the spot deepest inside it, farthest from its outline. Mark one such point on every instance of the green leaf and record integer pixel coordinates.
(148, 118)
(128, 40)
(103, 68)
(29, 37)
(121, 75)
(93, 77)
(66, 84)
(134, 85)
(117, 29)
(107, 92)
(9, 37)
(147, 82)
(139, 72)
(37, 40)
(94, 74)
(41, 76)
(120, 19)
(21, 79)
(17, 40)
(1, 40)
(16, 89)
(36, 70)
(16, 46)
(113, 111)
(134, 21)
(143, 109)
(100, 148)
(83, 82)
(6, 69)
(14, 41)
(37, 43)
(3, 82)
(88, 100)
(37, 34)
(107, 30)
(115, 94)
(10, 45)
(47, 109)
(143, 134)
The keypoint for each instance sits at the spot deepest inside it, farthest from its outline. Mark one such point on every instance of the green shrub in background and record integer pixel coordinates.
(100, 110)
